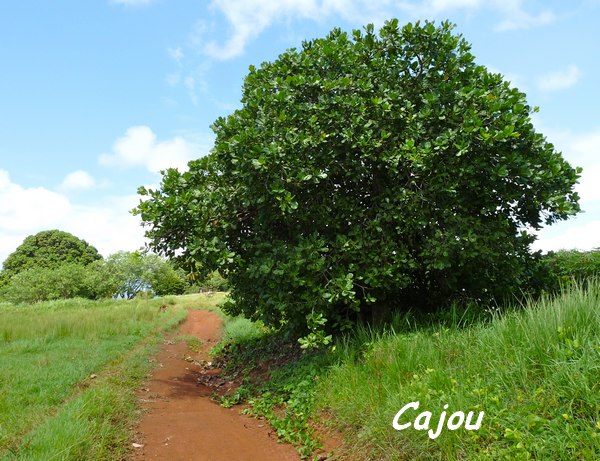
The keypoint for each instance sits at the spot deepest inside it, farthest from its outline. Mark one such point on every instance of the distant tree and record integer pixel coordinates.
(137, 272)
(167, 280)
(572, 266)
(29, 286)
(101, 280)
(49, 249)
(363, 174)
(43, 284)
(122, 274)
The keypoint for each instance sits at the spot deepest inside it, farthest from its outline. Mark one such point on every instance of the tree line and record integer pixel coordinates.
(57, 265)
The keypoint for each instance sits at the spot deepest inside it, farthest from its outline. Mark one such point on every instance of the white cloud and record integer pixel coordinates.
(173, 79)
(132, 2)
(107, 224)
(139, 148)
(192, 79)
(440, 6)
(582, 150)
(176, 54)
(583, 237)
(582, 231)
(28, 208)
(522, 20)
(78, 180)
(560, 80)
(249, 18)
(190, 84)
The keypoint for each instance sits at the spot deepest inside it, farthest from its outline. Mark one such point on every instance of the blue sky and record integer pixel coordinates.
(97, 96)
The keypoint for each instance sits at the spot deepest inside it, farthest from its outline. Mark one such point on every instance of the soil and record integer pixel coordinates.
(182, 423)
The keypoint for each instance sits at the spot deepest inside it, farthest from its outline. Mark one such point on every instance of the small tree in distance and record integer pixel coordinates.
(136, 272)
(365, 174)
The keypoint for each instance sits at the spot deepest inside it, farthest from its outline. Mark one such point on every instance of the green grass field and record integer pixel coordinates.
(69, 371)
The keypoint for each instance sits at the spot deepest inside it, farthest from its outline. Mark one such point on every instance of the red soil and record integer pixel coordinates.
(182, 423)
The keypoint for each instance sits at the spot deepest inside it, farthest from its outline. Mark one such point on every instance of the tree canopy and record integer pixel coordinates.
(366, 172)
(49, 249)
(137, 272)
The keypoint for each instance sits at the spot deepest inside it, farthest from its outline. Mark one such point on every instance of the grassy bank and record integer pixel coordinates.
(70, 370)
(534, 372)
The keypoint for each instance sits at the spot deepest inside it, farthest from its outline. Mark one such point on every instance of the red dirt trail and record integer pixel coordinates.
(182, 423)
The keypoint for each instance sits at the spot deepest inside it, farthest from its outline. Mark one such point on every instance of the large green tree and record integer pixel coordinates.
(47, 250)
(377, 171)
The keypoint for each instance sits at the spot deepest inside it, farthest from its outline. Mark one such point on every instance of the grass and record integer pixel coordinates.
(534, 371)
(241, 330)
(70, 370)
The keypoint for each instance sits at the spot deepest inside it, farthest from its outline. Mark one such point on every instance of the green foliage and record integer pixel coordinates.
(200, 281)
(214, 282)
(166, 280)
(137, 272)
(568, 266)
(49, 249)
(241, 330)
(365, 174)
(287, 401)
(122, 274)
(285, 395)
(62, 282)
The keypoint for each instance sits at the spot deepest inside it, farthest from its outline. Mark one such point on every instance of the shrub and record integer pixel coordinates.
(365, 174)
(568, 266)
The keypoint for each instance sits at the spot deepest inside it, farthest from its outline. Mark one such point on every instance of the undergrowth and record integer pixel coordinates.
(533, 370)
(277, 381)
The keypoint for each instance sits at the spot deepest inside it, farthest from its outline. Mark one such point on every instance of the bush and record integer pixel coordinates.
(215, 282)
(365, 174)
(569, 266)
(166, 280)
(67, 281)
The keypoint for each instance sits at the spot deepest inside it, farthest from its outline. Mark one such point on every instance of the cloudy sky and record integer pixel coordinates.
(96, 97)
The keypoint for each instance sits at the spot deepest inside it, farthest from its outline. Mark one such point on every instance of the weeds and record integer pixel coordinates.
(193, 343)
(278, 382)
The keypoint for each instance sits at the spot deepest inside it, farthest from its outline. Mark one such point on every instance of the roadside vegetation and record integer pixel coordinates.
(70, 369)
(533, 370)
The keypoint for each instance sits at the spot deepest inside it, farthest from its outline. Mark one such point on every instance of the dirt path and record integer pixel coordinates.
(182, 423)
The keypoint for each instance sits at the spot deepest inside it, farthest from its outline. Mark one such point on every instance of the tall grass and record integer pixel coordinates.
(240, 329)
(535, 372)
(67, 373)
